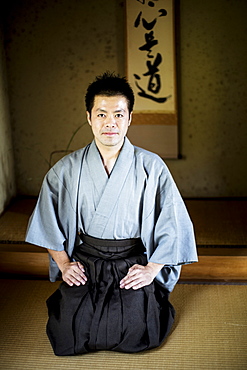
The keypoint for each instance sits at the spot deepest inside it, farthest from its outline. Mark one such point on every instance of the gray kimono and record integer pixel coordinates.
(138, 199)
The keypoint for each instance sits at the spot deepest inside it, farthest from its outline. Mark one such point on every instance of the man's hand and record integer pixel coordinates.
(139, 276)
(73, 273)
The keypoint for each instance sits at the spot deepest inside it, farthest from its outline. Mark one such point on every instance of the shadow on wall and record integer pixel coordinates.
(7, 187)
(56, 155)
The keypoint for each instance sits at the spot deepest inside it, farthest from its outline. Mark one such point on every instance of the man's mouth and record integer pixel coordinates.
(109, 133)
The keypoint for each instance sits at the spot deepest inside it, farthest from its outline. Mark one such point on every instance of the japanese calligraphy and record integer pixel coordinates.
(154, 59)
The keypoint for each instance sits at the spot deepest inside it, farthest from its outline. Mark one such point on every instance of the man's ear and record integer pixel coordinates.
(130, 118)
(89, 118)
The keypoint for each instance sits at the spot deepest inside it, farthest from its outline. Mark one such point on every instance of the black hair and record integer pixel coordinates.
(109, 84)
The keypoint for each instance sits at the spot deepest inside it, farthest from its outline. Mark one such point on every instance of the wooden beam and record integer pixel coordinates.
(217, 268)
(24, 263)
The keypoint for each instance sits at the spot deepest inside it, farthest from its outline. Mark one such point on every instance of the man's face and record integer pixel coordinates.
(110, 119)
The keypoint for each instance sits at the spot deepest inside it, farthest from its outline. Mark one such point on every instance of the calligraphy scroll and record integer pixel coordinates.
(151, 73)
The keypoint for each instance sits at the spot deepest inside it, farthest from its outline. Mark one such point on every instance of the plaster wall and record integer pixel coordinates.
(55, 48)
(7, 177)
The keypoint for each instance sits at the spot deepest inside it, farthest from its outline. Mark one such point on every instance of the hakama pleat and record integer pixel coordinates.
(101, 316)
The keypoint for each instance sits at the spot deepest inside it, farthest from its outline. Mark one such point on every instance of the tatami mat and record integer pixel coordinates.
(210, 331)
(14, 221)
(219, 222)
(216, 222)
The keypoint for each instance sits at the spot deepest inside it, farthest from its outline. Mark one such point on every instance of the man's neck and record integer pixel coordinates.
(109, 156)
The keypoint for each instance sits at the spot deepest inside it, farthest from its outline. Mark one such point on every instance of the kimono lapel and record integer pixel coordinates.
(96, 169)
(112, 188)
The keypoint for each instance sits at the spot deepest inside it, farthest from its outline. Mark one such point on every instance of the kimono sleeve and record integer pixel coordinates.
(174, 238)
(46, 226)
(169, 232)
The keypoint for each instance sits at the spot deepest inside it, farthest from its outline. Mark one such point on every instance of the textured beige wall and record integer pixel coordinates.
(55, 48)
(212, 88)
(7, 178)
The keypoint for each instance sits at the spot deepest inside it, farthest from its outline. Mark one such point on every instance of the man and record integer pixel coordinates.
(117, 232)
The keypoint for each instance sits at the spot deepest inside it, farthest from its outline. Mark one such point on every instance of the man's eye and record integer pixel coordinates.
(101, 115)
(119, 115)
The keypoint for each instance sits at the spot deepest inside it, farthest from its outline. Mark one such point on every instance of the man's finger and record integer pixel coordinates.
(81, 267)
(129, 282)
(78, 270)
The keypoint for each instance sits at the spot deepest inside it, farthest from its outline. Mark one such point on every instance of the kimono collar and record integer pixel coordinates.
(122, 163)
(109, 187)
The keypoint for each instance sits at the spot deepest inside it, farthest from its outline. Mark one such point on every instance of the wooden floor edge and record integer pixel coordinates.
(208, 267)
(217, 267)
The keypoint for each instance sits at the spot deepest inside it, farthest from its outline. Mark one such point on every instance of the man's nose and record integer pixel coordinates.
(110, 121)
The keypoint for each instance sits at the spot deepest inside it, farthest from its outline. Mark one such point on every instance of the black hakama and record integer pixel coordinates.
(101, 316)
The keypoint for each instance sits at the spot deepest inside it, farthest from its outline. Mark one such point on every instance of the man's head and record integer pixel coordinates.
(109, 84)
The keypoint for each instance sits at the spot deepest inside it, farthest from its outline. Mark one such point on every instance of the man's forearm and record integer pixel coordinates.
(60, 257)
(156, 267)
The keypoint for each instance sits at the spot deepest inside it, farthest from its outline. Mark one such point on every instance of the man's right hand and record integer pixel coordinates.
(73, 273)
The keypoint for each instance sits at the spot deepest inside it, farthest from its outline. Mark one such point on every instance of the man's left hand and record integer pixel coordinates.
(139, 276)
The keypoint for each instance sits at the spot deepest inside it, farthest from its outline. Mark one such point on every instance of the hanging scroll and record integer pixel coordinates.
(151, 73)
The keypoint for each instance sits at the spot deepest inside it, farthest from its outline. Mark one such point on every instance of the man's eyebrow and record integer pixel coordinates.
(115, 111)
(100, 109)
(120, 110)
